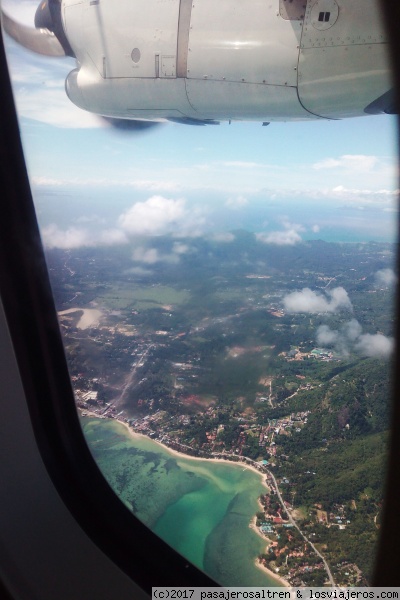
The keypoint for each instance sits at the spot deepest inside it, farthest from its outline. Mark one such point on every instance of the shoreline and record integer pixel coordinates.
(259, 565)
(178, 454)
(271, 574)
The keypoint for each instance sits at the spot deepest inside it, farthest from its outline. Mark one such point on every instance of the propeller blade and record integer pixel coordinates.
(131, 125)
(41, 41)
(387, 103)
(43, 17)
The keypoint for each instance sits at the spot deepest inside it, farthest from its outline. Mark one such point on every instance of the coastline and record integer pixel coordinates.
(183, 455)
(274, 576)
(259, 565)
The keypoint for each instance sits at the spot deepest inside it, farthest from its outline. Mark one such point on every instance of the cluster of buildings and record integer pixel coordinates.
(337, 516)
(292, 423)
(295, 354)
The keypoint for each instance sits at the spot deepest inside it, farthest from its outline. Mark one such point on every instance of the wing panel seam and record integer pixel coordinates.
(185, 13)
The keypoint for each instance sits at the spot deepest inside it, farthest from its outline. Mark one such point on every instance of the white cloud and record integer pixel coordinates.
(326, 336)
(377, 345)
(341, 339)
(289, 236)
(316, 228)
(385, 278)
(161, 216)
(53, 237)
(307, 301)
(352, 330)
(350, 338)
(352, 162)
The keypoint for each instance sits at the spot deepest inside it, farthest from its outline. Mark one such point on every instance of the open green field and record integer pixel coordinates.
(159, 295)
(142, 298)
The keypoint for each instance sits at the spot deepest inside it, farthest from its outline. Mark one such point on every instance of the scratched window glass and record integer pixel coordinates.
(215, 185)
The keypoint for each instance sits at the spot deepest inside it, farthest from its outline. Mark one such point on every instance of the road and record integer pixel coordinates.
(290, 518)
(293, 522)
(129, 381)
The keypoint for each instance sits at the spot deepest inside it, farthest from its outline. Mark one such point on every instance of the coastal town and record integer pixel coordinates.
(291, 553)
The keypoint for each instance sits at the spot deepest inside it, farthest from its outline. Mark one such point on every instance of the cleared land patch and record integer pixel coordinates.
(144, 297)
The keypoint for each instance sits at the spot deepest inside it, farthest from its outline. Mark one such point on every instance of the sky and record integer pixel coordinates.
(288, 182)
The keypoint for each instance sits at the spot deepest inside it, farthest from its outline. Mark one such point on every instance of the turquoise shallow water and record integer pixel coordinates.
(202, 508)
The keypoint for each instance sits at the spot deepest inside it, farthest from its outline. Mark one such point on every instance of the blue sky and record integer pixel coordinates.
(287, 181)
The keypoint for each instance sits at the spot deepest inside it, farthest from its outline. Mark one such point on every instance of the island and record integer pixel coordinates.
(277, 358)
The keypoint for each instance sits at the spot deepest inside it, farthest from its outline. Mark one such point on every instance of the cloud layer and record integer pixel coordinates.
(307, 301)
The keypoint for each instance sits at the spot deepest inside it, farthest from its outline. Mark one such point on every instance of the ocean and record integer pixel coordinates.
(201, 508)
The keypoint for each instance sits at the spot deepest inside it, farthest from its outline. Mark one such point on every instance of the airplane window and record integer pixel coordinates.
(225, 293)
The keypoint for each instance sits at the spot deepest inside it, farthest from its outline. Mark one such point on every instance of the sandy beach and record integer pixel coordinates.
(183, 455)
(275, 576)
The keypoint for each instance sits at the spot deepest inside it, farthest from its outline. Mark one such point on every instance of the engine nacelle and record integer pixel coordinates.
(241, 60)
